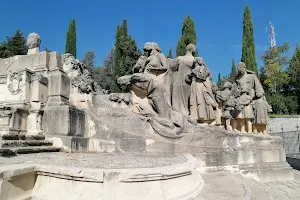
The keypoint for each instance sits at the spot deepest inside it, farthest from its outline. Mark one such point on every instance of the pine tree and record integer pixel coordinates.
(248, 49)
(188, 36)
(232, 75)
(170, 54)
(71, 38)
(15, 45)
(126, 55)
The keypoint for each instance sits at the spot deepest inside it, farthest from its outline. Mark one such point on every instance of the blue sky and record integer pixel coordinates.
(218, 24)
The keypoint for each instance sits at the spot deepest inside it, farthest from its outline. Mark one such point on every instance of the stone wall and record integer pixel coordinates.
(284, 124)
(287, 127)
(291, 141)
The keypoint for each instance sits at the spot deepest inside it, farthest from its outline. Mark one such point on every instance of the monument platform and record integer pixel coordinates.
(104, 176)
(100, 176)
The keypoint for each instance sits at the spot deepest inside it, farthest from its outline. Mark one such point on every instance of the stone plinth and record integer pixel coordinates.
(63, 120)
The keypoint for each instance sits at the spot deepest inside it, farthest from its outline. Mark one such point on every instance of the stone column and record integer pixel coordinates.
(6, 122)
(34, 119)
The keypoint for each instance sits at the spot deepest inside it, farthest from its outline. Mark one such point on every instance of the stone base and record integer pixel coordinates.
(63, 120)
(41, 181)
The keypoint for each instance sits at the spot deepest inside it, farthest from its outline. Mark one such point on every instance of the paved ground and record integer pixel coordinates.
(104, 161)
(228, 186)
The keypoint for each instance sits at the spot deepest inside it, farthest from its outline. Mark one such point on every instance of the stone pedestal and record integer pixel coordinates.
(63, 120)
(33, 51)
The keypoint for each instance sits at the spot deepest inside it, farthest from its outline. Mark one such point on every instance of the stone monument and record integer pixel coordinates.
(172, 107)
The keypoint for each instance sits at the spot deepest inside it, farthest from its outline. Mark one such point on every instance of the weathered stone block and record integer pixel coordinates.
(18, 87)
(59, 87)
(55, 61)
(39, 89)
(63, 120)
(33, 62)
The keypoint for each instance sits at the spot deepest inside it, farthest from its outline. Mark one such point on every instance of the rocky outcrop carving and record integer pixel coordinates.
(15, 83)
(80, 76)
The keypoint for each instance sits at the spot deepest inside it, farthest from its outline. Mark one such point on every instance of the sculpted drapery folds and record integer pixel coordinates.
(202, 100)
(181, 82)
(171, 93)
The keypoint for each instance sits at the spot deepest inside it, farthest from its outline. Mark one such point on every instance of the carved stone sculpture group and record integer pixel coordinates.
(171, 93)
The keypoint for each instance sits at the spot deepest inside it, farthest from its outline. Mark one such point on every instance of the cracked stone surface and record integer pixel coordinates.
(104, 161)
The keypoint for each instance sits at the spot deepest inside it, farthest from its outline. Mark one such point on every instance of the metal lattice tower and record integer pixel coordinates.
(272, 36)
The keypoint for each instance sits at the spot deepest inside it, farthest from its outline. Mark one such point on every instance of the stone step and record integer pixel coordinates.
(22, 137)
(24, 143)
(26, 150)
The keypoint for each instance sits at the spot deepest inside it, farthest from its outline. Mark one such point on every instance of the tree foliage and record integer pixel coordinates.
(232, 75)
(126, 55)
(15, 45)
(104, 74)
(274, 73)
(170, 54)
(220, 81)
(294, 70)
(248, 48)
(89, 61)
(47, 50)
(71, 38)
(188, 36)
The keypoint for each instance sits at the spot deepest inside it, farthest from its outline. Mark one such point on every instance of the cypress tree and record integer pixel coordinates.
(232, 74)
(188, 36)
(219, 81)
(170, 54)
(71, 38)
(248, 49)
(126, 55)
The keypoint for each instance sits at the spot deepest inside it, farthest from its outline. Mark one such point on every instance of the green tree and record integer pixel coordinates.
(188, 36)
(220, 81)
(232, 75)
(248, 48)
(274, 73)
(170, 54)
(47, 50)
(104, 75)
(126, 55)
(71, 38)
(89, 61)
(15, 45)
(294, 70)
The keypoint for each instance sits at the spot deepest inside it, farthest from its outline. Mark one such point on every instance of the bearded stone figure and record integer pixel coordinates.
(253, 105)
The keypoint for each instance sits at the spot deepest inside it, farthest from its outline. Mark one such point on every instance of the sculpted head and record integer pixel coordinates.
(151, 48)
(191, 48)
(227, 84)
(33, 41)
(242, 68)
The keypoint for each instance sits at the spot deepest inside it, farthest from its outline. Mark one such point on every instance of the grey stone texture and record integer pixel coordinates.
(63, 120)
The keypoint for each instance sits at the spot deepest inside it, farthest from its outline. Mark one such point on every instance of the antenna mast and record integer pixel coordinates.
(272, 36)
